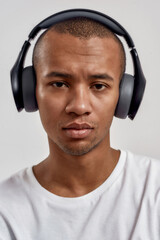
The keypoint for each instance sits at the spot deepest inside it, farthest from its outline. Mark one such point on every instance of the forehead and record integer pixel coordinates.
(70, 52)
(54, 42)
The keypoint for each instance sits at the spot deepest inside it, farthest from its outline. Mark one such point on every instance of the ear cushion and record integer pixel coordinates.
(29, 89)
(125, 96)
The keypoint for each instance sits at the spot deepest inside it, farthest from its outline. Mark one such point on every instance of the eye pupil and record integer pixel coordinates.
(98, 86)
(59, 84)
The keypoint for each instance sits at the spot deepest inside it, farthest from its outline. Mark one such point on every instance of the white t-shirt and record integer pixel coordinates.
(126, 206)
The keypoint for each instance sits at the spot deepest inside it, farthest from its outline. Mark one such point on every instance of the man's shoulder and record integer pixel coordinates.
(12, 180)
(141, 160)
(143, 170)
(13, 187)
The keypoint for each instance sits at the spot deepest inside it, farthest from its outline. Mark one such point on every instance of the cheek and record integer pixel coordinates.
(105, 110)
(50, 108)
(107, 104)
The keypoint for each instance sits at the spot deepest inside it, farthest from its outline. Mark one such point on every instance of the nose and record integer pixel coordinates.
(79, 102)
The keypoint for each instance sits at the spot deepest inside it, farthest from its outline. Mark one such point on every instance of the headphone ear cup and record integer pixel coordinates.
(29, 89)
(125, 96)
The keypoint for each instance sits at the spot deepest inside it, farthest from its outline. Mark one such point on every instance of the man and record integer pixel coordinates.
(84, 189)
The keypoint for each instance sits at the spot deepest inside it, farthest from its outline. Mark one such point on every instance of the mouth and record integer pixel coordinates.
(78, 130)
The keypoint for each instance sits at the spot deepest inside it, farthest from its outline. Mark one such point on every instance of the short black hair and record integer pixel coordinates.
(83, 28)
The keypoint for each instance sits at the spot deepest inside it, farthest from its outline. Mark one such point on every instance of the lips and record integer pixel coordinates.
(78, 130)
(78, 126)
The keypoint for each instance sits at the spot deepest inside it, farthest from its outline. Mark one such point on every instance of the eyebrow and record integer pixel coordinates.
(69, 76)
(59, 74)
(102, 76)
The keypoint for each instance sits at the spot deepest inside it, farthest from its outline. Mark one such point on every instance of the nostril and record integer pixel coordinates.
(78, 109)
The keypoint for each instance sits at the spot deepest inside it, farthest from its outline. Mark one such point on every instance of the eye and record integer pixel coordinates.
(59, 84)
(99, 86)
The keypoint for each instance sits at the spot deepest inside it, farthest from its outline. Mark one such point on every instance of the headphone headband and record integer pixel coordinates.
(113, 25)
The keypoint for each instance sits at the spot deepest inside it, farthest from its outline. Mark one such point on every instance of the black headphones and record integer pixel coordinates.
(23, 80)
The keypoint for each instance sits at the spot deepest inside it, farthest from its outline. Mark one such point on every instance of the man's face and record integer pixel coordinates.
(77, 90)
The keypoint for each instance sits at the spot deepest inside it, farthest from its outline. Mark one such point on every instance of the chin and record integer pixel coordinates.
(79, 149)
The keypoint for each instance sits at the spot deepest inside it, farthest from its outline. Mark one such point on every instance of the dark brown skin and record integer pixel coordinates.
(88, 94)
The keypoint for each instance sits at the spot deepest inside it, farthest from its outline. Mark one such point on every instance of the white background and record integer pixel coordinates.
(23, 141)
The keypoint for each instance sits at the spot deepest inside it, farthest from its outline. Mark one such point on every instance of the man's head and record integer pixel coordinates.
(78, 64)
(82, 28)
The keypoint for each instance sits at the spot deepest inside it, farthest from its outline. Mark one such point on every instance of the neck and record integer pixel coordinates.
(71, 176)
